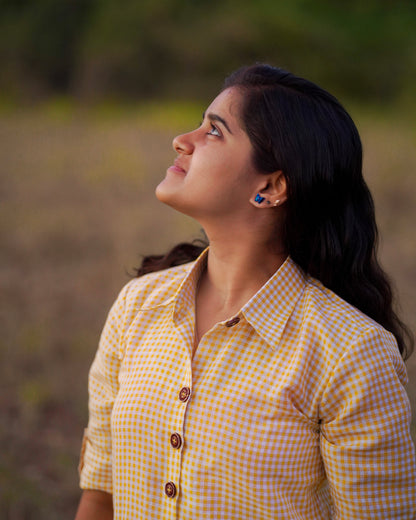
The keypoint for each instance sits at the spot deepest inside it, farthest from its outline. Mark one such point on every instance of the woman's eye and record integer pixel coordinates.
(214, 131)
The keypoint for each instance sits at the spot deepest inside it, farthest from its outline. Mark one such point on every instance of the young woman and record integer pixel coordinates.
(264, 379)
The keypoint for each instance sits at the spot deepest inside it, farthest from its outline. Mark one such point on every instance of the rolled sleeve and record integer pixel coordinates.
(366, 446)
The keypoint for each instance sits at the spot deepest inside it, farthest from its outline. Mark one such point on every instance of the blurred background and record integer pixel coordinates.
(91, 94)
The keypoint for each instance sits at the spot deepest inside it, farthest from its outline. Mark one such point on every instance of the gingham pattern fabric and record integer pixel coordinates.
(296, 410)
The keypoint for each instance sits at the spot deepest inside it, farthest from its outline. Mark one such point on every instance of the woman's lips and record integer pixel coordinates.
(176, 167)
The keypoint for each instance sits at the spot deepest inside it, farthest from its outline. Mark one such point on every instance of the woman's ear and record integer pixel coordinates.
(271, 191)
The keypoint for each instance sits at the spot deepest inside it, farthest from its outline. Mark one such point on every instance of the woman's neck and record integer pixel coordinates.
(237, 271)
(241, 259)
(232, 276)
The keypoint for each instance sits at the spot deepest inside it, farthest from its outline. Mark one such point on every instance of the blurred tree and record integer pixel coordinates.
(39, 43)
(181, 47)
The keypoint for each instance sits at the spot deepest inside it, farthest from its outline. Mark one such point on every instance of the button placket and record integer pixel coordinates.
(176, 442)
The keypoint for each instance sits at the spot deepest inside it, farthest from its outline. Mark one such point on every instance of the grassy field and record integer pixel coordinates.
(77, 212)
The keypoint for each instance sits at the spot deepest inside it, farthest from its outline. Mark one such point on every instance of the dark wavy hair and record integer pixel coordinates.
(330, 228)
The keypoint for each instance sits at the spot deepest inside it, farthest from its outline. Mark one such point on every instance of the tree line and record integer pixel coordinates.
(145, 48)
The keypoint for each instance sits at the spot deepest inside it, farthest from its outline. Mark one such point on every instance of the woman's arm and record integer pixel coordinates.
(365, 440)
(95, 505)
(95, 465)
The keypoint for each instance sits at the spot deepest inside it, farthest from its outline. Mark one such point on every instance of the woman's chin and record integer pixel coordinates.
(167, 195)
(175, 201)
(163, 193)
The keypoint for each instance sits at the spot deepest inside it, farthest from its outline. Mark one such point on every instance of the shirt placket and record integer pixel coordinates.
(181, 395)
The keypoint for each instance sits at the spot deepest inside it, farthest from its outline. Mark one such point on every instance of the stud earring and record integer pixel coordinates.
(258, 198)
(276, 203)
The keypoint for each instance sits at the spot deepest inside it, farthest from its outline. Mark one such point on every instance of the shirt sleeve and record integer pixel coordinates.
(95, 463)
(366, 445)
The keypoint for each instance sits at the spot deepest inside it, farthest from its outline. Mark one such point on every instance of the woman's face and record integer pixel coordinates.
(213, 174)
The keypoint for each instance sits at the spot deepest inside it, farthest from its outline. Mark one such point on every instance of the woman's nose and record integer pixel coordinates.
(183, 144)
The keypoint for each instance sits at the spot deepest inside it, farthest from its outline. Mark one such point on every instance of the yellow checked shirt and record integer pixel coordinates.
(293, 409)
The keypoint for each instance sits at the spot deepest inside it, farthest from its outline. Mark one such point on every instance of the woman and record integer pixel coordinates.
(263, 379)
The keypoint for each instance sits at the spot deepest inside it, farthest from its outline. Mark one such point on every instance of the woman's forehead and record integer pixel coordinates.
(227, 105)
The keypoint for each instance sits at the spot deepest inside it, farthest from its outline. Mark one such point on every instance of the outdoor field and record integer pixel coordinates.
(77, 212)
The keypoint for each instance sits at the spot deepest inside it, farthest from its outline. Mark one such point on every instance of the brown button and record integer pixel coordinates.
(176, 440)
(184, 394)
(232, 322)
(170, 489)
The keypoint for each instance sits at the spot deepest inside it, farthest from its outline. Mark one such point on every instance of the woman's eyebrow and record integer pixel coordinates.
(216, 117)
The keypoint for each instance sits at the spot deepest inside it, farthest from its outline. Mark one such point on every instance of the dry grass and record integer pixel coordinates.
(77, 212)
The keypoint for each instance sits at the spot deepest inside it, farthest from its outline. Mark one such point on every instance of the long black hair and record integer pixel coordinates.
(330, 228)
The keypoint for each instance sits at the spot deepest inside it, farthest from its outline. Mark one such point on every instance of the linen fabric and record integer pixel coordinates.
(294, 409)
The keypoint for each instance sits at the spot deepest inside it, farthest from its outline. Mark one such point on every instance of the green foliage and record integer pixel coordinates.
(38, 42)
(184, 48)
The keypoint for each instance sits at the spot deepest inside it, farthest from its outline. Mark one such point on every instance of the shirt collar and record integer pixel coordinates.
(267, 311)
(184, 297)
(271, 307)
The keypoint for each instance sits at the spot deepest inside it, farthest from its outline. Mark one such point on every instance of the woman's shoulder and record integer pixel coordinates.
(155, 288)
(332, 318)
(337, 334)
(145, 292)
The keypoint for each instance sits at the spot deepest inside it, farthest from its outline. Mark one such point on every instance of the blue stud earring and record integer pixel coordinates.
(258, 198)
